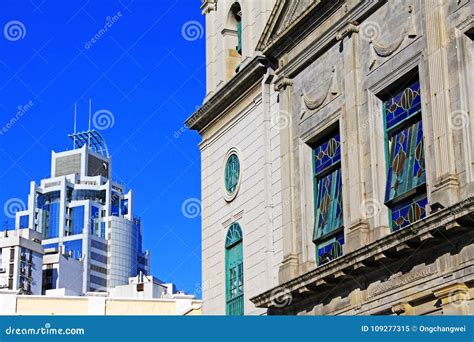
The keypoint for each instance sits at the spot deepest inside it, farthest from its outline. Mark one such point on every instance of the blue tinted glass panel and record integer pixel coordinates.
(77, 220)
(408, 212)
(327, 154)
(102, 230)
(328, 204)
(51, 245)
(24, 221)
(330, 250)
(54, 211)
(94, 215)
(73, 248)
(403, 105)
(98, 257)
(407, 163)
(124, 207)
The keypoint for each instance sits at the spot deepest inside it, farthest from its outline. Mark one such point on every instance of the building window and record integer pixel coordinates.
(232, 174)
(405, 193)
(24, 221)
(328, 230)
(77, 220)
(234, 271)
(232, 38)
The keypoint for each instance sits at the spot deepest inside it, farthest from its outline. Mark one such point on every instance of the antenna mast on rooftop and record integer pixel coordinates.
(75, 125)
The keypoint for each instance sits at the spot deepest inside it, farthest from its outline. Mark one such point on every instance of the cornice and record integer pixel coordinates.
(452, 220)
(232, 91)
(342, 28)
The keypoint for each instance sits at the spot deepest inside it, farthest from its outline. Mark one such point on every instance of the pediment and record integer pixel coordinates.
(283, 16)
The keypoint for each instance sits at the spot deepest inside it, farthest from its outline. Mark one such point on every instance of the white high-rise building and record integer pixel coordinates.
(21, 260)
(82, 213)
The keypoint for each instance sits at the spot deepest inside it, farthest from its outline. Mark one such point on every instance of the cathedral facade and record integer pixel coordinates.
(337, 157)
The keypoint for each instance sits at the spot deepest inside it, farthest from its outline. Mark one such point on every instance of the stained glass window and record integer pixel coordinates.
(328, 230)
(232, 173)
(405, 192)
(234, 271)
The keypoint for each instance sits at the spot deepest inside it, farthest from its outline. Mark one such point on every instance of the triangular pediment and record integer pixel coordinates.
(283, 16)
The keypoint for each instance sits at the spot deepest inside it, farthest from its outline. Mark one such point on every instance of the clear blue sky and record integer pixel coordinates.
(148, 70)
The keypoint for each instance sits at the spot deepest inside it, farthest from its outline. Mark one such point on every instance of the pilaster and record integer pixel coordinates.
(357, 231)
(444, 182)
(290, 263)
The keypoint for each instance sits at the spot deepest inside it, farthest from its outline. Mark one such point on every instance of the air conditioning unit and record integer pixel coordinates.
(3, 270)
(3, 286)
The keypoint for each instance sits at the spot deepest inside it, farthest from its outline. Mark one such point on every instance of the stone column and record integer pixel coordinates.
(443, 181)
(209, 9)
(454, 299)
(289, 267)
(357, 228)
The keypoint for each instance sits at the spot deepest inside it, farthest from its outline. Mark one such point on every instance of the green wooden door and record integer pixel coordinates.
(234, 271)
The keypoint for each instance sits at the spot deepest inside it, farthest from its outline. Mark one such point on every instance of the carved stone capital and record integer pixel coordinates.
(351, 27)
(455, 293)
(208, 6)
(402, 309)
(283, 83)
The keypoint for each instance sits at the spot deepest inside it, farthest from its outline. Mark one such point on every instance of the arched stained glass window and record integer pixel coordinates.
(234, 271)
(328, 226)
(232, 173)
(405, 192)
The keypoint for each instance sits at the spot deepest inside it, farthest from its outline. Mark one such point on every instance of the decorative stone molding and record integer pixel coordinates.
(333, 274)
(208, 6)
(378, 49)
(283, 83)
(453, 298)
(402, 309)
(352, 27)
(313, 104)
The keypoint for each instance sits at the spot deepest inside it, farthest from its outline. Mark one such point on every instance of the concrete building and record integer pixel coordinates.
(62, 274)
(21, 259)
(82, 213)
(96, 305)
(145, 287)
(337, 157)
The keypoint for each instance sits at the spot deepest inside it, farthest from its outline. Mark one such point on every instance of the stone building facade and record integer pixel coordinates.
(338, 157)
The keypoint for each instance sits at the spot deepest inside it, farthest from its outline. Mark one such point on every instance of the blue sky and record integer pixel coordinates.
(147, 71)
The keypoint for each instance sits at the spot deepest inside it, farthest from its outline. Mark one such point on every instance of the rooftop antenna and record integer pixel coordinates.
(75, 124)
(90, 113)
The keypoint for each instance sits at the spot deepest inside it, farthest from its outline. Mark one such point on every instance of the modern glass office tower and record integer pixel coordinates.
(83, 214)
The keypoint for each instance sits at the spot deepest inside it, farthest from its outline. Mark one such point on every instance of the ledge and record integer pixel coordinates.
(452, 220)
(234, 90)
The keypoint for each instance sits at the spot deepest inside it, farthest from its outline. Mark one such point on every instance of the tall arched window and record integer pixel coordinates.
(232, 35)
(234, 271)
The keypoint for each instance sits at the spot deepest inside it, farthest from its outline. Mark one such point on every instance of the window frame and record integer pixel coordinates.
(230, 196)
(336, 234)
(419, 192)
(235, 246)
